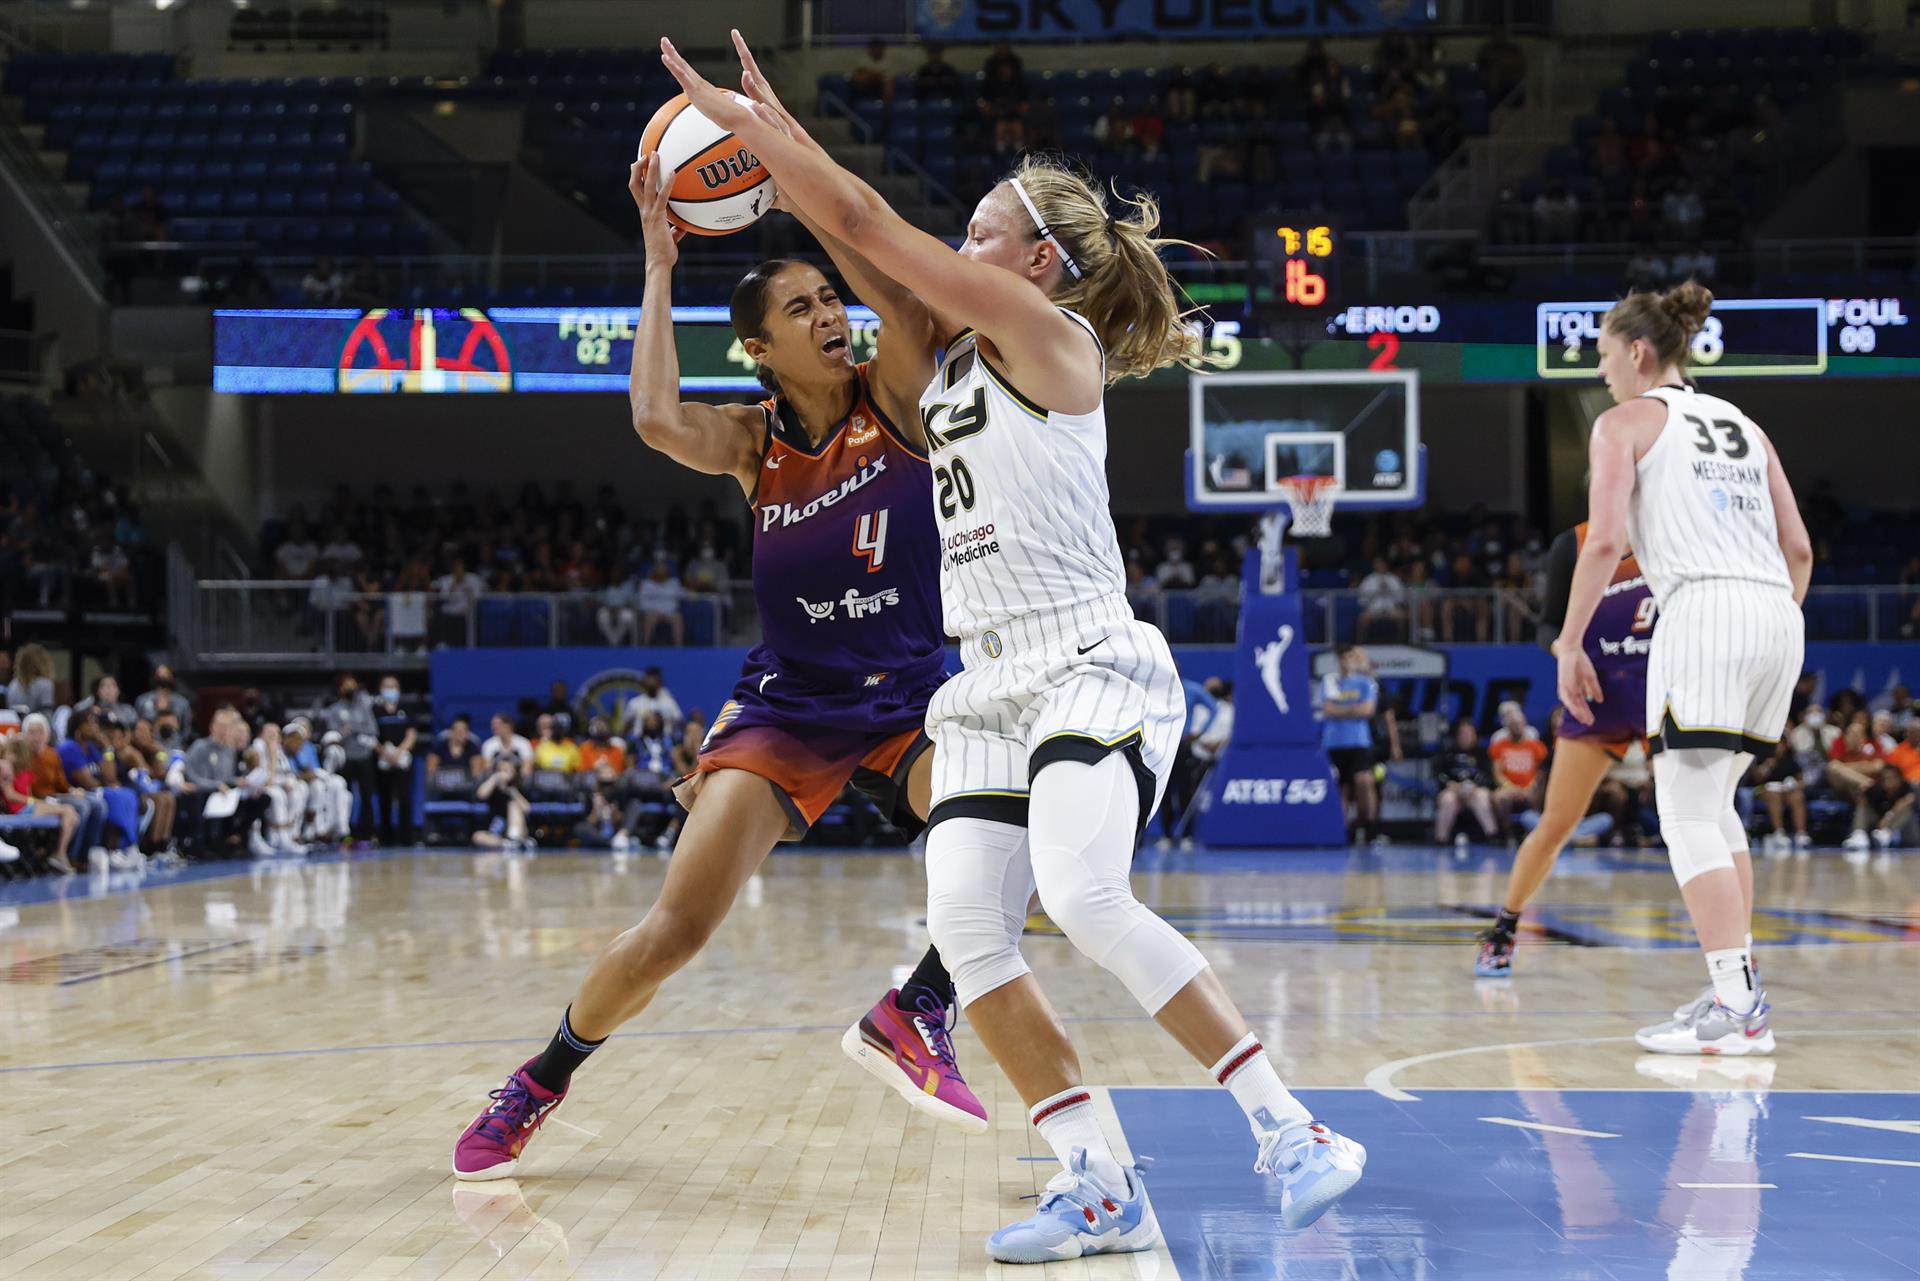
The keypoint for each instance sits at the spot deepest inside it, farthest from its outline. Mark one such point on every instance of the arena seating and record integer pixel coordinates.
(261, 161)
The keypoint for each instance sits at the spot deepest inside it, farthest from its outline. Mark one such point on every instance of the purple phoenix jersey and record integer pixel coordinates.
(846, 568)
(1618, 641)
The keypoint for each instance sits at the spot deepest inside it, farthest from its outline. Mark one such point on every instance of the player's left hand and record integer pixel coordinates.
(1578, 684)
(714, 103)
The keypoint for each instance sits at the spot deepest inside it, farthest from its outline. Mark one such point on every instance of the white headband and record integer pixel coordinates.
(1046, 233)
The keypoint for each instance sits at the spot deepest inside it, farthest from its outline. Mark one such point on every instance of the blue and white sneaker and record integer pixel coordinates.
(1080, 1215)
(1315, 1166)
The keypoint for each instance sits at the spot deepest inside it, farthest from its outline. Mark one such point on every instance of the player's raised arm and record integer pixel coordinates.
(721, 440)
(1057, 361)
(1795, 544)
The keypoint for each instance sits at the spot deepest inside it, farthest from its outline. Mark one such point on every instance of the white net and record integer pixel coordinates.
(1310, 500)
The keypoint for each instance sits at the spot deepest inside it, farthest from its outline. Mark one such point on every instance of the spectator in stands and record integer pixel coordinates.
(1175, 572)
(1114, 129)
(106, 700)
(1004, 61)
(1216, 602)
(506, 740)
(1463, 776)
(646, 786)
(602, 749)
(132, 768)
(459, 590)
(1886, 810)
(1502, 66)
(111, 570)
(1348, 700)
(1327, 119)
(1518, 757)
(1211, 743)
(507, 806)
(17, 792)
(936, 77)
(31, 689)
(343, 551)
(407, 608)
(1626, 793)
(84, 758)
(1144, 592)
(1319, 67)
(618, 615)
(328, 595)
(393, 764)
(1467, 607)
(297, 554)
(165, 701)
(368, 609)
(707, 573)
(1853, 760)
(329, 800)
(654, 696)
(456, 749)
(1383, 604)
(351, 715)
(50, 783)
(560, 706)
(1556, 214)
(1182, 101)
(365, 287)
(1682, 212)
(323, 284)
(1778, 778)
(660, 596)
(554, 749)
(871, 79)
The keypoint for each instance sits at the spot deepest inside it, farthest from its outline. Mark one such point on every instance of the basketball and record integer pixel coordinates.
(717, 185)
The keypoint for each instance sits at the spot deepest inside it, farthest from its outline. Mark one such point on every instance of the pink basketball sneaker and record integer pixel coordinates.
(913, 1053)
(491, 1146)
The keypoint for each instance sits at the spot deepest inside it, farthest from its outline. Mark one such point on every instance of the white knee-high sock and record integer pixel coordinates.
(1067, 1121)
(1248, 1073)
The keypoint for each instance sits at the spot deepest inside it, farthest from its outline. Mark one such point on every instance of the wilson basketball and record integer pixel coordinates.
(718, 186)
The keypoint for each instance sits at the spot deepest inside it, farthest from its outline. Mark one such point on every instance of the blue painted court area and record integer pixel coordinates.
(1599, 1185)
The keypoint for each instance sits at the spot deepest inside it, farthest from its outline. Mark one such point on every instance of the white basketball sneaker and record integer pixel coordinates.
(1315, 1168)
(1708, 1027)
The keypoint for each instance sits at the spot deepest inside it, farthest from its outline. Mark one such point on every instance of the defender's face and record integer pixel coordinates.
(1617, 366)
(1000, 233)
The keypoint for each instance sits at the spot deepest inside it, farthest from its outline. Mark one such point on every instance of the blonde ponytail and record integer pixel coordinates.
(1124, 289)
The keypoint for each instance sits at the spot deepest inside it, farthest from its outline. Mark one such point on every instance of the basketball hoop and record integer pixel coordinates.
(1310, 502)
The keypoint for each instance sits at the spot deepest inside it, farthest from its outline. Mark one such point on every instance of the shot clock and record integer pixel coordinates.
(1294, 264)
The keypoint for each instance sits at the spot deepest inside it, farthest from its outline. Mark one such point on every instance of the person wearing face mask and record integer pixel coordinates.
(393, 773)
(167, 698)
(351, 716)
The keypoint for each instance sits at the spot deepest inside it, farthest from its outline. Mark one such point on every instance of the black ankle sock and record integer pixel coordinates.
(930, 982)
(1506, 923)
(562, 1057)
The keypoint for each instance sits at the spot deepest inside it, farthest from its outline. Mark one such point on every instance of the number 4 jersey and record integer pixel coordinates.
(845, 552)
(1701, 506)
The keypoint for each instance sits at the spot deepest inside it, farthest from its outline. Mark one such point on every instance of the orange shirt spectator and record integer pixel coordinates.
(1517, 761)
(611, 751)
(1905, 757)
(49, 775)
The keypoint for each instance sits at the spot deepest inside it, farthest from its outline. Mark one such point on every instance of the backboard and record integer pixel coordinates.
(1249, 431)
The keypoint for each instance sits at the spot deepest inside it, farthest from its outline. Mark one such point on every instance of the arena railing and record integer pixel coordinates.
(283, 623)
(289, 623)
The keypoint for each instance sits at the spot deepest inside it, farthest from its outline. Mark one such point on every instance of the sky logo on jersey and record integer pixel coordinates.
(784, 514)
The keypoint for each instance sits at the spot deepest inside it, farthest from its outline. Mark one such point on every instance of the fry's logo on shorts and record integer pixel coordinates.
(855, 605)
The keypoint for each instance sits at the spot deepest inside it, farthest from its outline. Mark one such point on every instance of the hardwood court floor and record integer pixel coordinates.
(259, 1071)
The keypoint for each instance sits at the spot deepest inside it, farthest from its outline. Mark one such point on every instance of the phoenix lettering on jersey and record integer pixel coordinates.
(784, 514)
(853, 603)
(970, 545)
(1625, 585)
(1710, 469)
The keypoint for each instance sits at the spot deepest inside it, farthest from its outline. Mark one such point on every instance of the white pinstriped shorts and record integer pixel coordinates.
(1726, 654)
(1076, 684)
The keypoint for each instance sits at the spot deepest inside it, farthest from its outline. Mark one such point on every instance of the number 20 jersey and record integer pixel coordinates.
(1701, 505)
(1020, 494)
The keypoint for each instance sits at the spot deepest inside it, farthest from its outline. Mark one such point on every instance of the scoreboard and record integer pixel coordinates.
(590, 349)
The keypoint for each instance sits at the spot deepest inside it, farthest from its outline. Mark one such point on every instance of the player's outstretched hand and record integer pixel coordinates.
(715, 104)
(1578, 684)
(647, 183)
(754, 84)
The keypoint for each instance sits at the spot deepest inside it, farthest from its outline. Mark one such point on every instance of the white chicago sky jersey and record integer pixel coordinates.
(1701, 506)
(1020, 495)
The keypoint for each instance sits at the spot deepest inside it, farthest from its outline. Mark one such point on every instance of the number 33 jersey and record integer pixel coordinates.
(1701, 505)
(1020, 494)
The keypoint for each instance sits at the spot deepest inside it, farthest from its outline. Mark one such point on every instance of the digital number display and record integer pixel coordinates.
(1748, 337)
(1294, 264)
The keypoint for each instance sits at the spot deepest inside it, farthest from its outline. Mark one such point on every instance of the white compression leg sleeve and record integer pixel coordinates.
(1082, 821)
(1732, 830)
(1694, 793)
(979, 882)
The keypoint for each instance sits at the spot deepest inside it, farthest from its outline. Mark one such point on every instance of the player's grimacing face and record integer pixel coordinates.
(804, 328)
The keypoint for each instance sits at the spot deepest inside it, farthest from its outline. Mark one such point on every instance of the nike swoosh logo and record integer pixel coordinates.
(1088, 648)
(773, 464)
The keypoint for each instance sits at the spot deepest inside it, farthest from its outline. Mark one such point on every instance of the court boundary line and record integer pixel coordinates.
(1161, 1255)
(1380, 1078)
